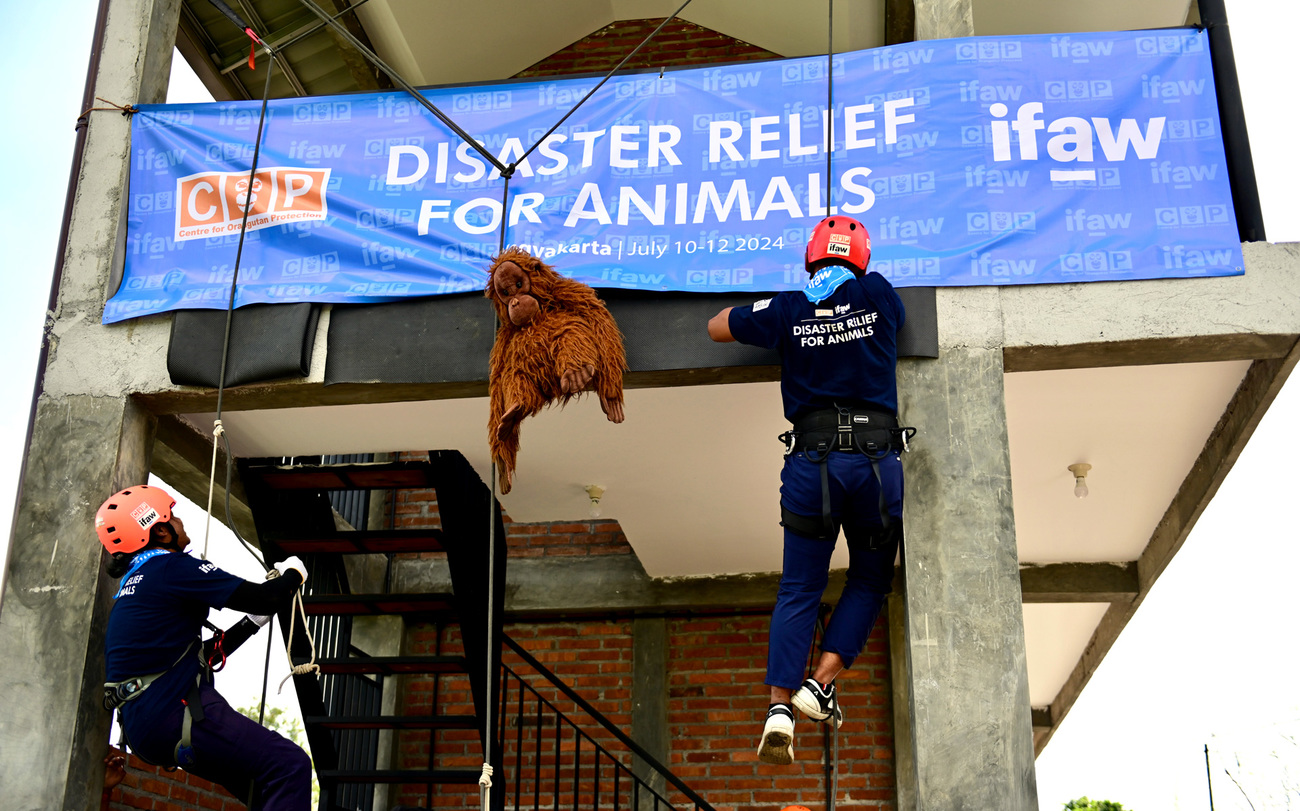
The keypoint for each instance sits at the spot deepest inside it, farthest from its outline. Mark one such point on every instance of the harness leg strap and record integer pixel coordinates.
(184, 752)
(808, 526)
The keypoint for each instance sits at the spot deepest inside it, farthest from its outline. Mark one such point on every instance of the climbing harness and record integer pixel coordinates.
(872, 433)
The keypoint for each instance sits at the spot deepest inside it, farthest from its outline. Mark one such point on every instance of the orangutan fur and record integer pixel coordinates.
(555, 340)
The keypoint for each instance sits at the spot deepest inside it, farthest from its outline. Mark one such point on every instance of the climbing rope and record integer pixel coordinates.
(296, 607)
(485, 779)
(220, 439)
(830, 105)
(217, 430)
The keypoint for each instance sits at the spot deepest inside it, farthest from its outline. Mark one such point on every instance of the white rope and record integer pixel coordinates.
(217, 430)
(485, 786)
(310, 666)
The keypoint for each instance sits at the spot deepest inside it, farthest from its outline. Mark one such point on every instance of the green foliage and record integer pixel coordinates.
(1084, 804)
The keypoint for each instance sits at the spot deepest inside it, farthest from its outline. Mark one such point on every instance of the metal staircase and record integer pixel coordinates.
(297, 508)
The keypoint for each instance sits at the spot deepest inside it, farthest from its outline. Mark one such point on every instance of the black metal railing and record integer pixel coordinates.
(558, 764)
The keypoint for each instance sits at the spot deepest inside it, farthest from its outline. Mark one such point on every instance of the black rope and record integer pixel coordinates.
(398, 80)
(230, 309)
(830, 106)
(490, 679)
(602, 81)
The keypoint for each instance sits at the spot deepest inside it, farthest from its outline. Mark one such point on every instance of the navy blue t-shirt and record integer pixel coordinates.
(844, 349)
(158, 613)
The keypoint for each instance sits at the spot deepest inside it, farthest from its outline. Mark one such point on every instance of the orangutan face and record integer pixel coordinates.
(513, 287)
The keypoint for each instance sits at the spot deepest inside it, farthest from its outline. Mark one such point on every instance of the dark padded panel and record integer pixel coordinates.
(448, 339)
(267, 342)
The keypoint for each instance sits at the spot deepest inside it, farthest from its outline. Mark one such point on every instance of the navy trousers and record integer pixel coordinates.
(235, 752)
(855, 497)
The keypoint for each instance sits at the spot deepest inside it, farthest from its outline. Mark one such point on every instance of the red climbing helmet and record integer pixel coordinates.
(124, 520)
(840, 241)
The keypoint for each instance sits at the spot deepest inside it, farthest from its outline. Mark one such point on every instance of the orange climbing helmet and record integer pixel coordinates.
(838, 241)
(124, 520)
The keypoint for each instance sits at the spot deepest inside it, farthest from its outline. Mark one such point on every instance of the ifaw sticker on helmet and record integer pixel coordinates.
(839, 244)
(144, 515)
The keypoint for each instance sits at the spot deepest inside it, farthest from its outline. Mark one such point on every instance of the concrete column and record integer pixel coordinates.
(89, 440)
(53, 730)
(944, 19)
(901, 677)
(650, 697)
(965, 645)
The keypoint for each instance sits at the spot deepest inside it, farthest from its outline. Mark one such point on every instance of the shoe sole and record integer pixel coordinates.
(812, 708)
(777, 748)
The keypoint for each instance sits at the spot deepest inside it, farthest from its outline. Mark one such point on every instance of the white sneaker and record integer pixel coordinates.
(777, 746)
(819, 703)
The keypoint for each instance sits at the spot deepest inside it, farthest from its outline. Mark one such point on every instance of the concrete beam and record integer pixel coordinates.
(1078, 582)
(1257, 390)
(618, 584)
(1146, 352)
(1263, 302)
(605, 585)
(182, 457)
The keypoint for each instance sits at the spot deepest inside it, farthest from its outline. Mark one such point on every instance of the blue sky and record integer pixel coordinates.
(1209, 658)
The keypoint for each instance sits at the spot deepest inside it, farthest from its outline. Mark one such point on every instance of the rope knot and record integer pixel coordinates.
(217, 429)
(485, 779)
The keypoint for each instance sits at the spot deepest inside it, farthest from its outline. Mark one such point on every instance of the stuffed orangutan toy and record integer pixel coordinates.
(555, 340)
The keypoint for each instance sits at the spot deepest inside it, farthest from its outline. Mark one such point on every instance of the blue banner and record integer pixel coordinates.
(1011, 160)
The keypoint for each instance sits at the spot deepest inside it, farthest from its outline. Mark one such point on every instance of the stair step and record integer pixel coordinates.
(365, 541)
(318, 604)
(392, 665)
(363, 476)
(392, 721)
(420, 777)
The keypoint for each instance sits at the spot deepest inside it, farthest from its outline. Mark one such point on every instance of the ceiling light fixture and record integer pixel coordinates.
(594, 492)
(1080, 471)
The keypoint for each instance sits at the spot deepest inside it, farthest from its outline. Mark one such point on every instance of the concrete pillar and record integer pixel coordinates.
(650, 698)
(53, 730)
(904, 751)
(965, 646)
(89, 440)
(944, 19)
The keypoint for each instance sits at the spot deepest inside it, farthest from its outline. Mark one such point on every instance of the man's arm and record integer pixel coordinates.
(720, 327)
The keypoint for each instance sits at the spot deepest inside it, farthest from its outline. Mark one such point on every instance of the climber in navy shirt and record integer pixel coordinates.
(170, 713)
(838, 342)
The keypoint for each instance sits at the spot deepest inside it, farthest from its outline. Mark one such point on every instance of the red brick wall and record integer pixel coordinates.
(717, 702)
(679, 43)
(153, 788)
(716, 705)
